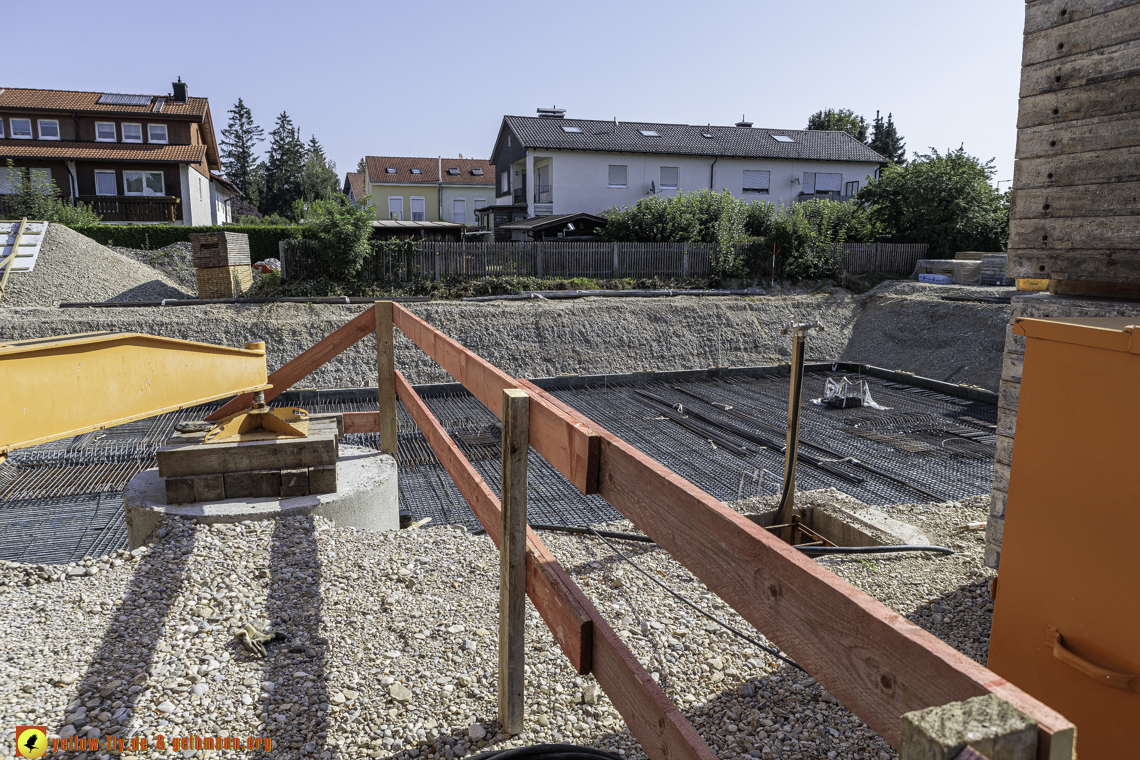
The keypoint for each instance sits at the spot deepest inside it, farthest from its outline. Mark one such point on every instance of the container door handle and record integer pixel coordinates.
(1122, 681)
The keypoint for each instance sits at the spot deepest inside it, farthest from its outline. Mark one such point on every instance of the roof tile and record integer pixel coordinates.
(429, 170)
(67, 100)
(191, 154)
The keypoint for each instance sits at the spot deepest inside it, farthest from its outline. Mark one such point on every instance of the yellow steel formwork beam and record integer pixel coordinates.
(60, 387)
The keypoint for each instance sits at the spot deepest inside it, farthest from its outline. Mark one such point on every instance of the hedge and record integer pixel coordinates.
(147, 237)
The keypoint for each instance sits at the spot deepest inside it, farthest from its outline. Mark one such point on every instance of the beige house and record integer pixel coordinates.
(429, 189)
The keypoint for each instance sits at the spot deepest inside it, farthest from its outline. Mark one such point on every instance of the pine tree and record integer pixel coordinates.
(362, 166)
(283, 168)
(319, 179)
(840, 120)
(239, 139)
(886, 140)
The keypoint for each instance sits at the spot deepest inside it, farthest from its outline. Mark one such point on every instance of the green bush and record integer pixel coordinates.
(341, 233)
(148, 237)
(34, 197)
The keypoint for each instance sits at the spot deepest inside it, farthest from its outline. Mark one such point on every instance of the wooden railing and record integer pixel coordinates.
(122, 208)
(879, 664)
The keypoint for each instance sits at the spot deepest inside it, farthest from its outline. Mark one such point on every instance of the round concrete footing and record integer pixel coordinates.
(367, 497)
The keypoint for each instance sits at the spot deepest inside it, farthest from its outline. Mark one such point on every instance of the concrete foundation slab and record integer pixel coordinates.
(367, 498)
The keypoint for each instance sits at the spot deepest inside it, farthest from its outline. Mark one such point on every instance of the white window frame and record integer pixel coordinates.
(412, 208)
(150, 135)
(40, 128)
(16, 136)
(114, 181)
(132, 124)
(114, 131)
(146, 190)
(610, 172)
(839, 182)
(670, 187)
(757, 190)
(5, 180)
(847, 189)
(400, 210)
(464, 202)
(2, 132)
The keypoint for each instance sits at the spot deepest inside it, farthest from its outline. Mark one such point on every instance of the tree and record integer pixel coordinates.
(239, 140)
(840, 120)
(341, 232)
(35, 195)
(943, 200)
(283, 168)
(318, 177)
(362, 167)
(886, 141)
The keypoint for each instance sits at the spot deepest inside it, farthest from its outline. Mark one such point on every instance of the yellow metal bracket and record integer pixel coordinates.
(260, 424)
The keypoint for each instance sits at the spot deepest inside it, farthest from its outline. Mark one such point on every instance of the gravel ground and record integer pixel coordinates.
(915, 331)
(391, 650)
(73, 267)
(175, 261)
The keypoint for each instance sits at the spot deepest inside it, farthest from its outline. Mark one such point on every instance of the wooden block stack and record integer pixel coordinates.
(222, 263)
(195, 471)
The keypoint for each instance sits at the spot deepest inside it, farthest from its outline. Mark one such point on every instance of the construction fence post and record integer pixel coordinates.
(512, 560)
(685, 265)
(386, 375)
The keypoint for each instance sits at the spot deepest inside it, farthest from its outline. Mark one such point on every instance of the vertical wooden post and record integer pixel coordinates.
(512, 559)
(685, 265)
(438, 267)
(538, 262)
(616, 261)
(386, 376)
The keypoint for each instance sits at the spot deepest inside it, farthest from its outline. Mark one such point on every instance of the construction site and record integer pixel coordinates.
(794, 522)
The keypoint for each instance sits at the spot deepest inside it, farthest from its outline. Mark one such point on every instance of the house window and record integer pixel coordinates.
(49, 129)
(617, 176)
(22, 129)
(828, 183)
(143, 183)
(670, 177)
(395, 207)
(105, 183)
(851, 188)
(506, 183)
(156, 133)
(105, 131)
(132, 133)
(459, 210)
(756, 181)
(479, 203)
(1, 128)
(418, 213)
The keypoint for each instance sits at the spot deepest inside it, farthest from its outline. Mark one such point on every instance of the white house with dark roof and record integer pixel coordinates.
(556, 165)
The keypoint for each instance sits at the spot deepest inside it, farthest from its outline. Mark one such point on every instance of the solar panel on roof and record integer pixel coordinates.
(119, 99)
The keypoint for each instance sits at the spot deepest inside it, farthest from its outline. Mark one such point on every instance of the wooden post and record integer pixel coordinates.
(438, 267)
(538, 261)
(994, 728)
(386, 376)
(791, 449)
(685, 265)
(512, 559)
(616, 270)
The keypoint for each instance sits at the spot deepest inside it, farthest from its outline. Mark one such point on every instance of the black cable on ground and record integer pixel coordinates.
(682, 599)
(547, 752)
(818, 551)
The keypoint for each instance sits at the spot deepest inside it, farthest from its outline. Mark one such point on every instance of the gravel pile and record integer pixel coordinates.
(390, 644)
(175, 261)
(916, 332)
(73, 267)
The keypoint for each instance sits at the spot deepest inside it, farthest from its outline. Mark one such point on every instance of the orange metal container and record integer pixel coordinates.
(1066, 625)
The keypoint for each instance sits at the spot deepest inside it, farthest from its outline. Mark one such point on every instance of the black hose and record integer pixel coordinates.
(581, 531)
(547, 752)
(817, 551)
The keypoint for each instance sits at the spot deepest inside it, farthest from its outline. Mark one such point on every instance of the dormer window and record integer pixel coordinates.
(105, 131)
(132, 133)
(22, 129)
(156, 133)
(390, 170)
(453, 171)
(49, 129)
(417, 171)
(649, 132)
(568, 129)
(477, 172)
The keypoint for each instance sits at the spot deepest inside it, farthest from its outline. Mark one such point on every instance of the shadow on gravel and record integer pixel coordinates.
(960, 618)
(155, 290)
(296, 713)
(129, 643)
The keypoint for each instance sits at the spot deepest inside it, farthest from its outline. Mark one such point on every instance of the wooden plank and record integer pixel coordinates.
(1049, 14)
(512, 560)
(1096, 265)
(1095, 167)
(386, 375)
(553, 593)
(1079, 201)
(1073, 36)
(1114, 96)
(1101, 133)
(307, 362)
(361, 422)
(1095, 67)
(180, 460)
(560, 439)
(1108, 232)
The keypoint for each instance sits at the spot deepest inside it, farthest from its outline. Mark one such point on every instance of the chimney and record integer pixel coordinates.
(552, 113)
(743, 123)
(179, 90)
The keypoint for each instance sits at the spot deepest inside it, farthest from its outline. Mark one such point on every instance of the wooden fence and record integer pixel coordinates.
(438, 261)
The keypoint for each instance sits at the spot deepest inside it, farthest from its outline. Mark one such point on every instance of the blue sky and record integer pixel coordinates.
(433, 77)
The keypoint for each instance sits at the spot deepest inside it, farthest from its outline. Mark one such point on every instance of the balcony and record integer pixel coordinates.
(518, 195)
(543, 194)
(121, 208)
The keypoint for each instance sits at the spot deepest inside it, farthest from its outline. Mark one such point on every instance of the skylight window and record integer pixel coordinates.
(706, 134)
(571, 129)
(416, 171)
(782, 138)
(477, 172)
(390, 170)
(453, 171)
(649, 132)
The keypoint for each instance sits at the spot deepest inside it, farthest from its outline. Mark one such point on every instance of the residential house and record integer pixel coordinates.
(591, 166)
(429, 189)
(355, 187)
(135, 158)
(222, 193)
